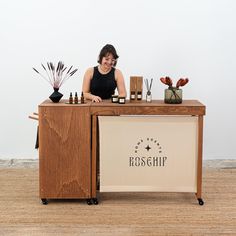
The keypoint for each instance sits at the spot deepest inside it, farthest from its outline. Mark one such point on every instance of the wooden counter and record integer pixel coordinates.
(68, 136)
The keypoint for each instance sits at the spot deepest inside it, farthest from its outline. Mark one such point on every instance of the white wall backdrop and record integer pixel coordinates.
(184, 38)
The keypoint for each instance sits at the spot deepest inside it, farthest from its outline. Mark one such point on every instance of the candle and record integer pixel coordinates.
(121, 100)
(114, 98)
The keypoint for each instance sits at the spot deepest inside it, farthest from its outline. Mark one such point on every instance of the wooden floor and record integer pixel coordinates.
(126, 214)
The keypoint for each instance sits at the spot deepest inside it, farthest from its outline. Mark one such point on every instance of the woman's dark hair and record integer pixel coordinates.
(108, 49)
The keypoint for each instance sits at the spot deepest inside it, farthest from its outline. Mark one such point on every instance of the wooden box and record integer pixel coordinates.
(136, 88)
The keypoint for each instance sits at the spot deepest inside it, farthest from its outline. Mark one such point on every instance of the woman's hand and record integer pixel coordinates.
(96, 99)
(120, 83)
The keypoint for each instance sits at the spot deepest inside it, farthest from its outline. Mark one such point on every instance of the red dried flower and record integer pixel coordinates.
(181, 82)
(167, 80)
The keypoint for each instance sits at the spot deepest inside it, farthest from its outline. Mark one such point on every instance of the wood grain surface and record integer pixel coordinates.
(64, 152)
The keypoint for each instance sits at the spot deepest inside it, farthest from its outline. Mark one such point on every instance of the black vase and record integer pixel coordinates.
(56, 96)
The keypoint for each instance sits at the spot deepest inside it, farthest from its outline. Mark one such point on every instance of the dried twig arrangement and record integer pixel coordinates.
(56, 75)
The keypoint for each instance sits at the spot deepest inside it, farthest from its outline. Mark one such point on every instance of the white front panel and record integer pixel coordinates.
(151, 153)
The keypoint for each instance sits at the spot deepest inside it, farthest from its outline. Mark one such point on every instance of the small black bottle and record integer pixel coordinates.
(76, 98)
(82, 98)
(71, 99)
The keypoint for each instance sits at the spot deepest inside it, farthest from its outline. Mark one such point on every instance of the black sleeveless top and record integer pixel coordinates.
(103, 85)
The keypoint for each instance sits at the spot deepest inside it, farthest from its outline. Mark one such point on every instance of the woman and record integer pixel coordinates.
(101, 81)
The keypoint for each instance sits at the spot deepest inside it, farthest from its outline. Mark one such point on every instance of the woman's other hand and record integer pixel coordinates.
(96, 99)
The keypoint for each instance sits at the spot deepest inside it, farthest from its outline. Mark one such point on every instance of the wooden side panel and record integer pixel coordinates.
(64, 152)
(94, 155)
(199, 164)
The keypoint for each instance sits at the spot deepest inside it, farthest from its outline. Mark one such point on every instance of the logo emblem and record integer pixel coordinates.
(148, 152)
(148, 144)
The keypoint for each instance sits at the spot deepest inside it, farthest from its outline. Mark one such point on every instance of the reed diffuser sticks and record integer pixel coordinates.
(147, 84)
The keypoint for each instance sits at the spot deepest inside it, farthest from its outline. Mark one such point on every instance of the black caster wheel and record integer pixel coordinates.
(200, 202)
(89, 201)
(95, 201)
(44, 201)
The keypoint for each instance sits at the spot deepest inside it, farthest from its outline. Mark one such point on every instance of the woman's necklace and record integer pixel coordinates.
(104, 71)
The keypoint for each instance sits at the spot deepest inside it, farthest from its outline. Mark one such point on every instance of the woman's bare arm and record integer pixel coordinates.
(120, 83)
(86, 86)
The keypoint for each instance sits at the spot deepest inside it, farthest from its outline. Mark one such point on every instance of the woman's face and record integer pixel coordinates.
(108, 61)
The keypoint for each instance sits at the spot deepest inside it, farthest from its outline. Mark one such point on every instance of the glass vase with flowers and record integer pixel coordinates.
(173, 94)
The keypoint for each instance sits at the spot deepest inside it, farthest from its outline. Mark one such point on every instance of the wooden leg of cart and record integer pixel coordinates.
(94, 200)
(199, 162)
